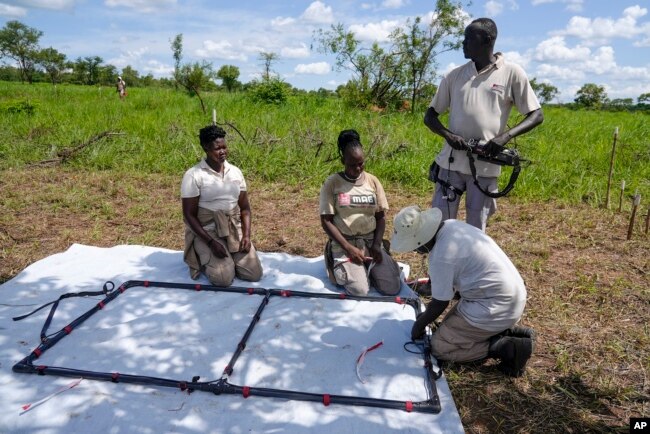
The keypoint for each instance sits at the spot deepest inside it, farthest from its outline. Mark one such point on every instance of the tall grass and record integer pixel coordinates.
(296, 143)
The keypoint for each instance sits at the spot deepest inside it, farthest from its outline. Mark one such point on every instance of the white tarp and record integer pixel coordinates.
(304, 344)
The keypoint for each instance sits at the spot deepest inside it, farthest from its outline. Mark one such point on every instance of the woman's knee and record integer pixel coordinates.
(222, 274)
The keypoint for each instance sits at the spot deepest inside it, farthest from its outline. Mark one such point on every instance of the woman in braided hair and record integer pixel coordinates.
(352, 212)
(217, 216)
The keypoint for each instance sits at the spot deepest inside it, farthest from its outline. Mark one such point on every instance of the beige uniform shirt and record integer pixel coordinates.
(479, 105)
(216, 191)
(353, 204)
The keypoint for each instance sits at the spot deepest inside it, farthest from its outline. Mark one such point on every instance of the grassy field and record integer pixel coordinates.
(295, 143)
(589, 296)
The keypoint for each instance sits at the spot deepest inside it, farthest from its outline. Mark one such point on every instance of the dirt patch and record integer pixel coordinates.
(589, 296)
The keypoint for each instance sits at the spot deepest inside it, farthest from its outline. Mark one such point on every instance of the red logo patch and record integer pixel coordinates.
(344, 199)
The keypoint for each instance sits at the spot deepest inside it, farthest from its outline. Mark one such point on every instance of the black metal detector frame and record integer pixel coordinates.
(221, 385)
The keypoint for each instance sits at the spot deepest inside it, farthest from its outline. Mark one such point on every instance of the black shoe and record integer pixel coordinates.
(521, 332)
(514, 354)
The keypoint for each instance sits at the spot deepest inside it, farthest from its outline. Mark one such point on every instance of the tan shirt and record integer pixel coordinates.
(479, 105)
(353, 204)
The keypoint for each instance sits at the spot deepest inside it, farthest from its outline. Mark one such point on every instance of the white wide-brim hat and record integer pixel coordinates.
(413, 228)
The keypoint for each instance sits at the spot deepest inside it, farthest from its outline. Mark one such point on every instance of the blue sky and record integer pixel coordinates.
(563, 42)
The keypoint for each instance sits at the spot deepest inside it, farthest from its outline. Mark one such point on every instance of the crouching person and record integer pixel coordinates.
(217, 216)
(464, 261)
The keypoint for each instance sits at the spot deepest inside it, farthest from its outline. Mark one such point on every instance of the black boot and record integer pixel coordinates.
(521, 332)
(513, 352)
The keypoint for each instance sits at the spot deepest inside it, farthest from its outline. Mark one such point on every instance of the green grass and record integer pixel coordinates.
(295, 143)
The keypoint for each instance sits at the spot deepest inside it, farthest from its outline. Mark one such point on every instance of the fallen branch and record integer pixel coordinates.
(66, 154)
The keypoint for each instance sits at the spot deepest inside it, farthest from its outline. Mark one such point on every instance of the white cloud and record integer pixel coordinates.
(572, 5)
(318, 12)
(554, 72)
(220, 50)
(12, 11)
(598, 30)
(374, 31)
(493, 8)
(158, 69)
(282, 21)
(128, 58)
(318, 68)
(40, 4)
(555, 49)
(140, 5)
(515, 57)
(295, 52)
(393, 4)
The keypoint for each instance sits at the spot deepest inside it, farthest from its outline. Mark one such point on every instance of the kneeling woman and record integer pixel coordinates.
(352, 207)
(218, 216)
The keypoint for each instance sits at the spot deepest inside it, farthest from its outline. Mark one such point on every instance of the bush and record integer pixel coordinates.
(19, 106)
(271, 91)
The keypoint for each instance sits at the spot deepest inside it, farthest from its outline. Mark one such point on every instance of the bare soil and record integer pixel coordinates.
(589, 296)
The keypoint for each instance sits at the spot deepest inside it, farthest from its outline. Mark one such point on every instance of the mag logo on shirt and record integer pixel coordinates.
(356, 200)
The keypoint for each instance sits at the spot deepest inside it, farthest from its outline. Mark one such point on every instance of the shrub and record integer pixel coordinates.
(270, 91)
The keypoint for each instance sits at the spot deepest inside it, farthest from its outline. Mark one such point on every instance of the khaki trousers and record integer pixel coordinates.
(222, 271)
(459, 341)
(355, 278)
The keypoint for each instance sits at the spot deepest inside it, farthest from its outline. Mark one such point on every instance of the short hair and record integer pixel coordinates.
(487, 28)
(348, 138)
(209, 134)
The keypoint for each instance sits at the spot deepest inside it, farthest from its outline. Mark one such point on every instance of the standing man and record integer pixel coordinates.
(121, 87)
(466, 262)
(479, 96)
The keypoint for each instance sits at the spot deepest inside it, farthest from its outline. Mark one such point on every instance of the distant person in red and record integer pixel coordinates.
(121, 88)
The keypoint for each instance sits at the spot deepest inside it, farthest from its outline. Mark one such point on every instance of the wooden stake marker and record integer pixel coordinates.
(635, 205)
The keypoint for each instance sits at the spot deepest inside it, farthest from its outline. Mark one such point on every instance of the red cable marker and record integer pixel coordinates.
(326, 400)
(409, 406)
(362, 357)
(246, 391)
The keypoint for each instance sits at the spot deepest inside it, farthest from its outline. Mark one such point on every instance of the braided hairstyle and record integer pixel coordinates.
(209, 134)
(348, 139)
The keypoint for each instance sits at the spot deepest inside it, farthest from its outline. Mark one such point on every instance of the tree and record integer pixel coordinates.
(644, 98)
(20, 43)
(544, 91)
(377, 75)
(268, 59)
(591, 95)
(193, 77)
(130, 76)
(228, 75)
(53, 62)
(417, 44)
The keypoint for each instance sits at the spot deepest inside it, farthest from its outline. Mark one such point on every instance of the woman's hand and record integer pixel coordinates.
(217, 249)
(375, 252)
(245, 245)
(356, 255)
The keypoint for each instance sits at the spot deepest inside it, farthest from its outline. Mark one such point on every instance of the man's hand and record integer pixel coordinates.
(417, 332)
(456, 142)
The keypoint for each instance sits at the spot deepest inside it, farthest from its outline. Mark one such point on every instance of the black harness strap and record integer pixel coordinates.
(105, 290)
(511, 182)
(434, 171)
